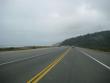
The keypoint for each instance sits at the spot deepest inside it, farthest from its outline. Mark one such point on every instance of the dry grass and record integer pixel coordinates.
(22, 48)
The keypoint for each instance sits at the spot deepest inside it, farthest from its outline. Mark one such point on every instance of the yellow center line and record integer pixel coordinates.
(41, 74)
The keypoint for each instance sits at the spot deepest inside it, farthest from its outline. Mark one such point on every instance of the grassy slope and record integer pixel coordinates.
(98, 41)
(22, 48)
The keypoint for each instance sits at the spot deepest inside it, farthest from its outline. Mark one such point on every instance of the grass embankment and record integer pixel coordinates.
(22, 48)
(105, 50)
(100, 49)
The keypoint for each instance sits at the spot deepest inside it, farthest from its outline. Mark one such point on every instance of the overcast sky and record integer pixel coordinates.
(45, 22)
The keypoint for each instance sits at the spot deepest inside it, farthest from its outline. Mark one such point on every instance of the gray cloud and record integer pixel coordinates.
(45, 22)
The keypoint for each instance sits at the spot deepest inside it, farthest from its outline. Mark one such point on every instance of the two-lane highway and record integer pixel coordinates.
(20, 66)
(54, 65)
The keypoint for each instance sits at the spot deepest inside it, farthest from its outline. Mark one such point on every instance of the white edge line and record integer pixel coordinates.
(95, 59)
(5, 63)
(20, 60)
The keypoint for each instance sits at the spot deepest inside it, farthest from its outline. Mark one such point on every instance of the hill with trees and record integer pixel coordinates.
(97, 40)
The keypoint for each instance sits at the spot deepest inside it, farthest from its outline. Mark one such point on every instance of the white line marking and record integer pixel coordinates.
(20, 60)
(95, 59)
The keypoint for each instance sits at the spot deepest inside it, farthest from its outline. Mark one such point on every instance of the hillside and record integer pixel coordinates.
(98, 40)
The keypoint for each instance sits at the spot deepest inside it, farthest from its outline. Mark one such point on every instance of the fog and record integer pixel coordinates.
(46, 22)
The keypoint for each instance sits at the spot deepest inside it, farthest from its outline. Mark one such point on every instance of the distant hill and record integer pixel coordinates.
(98, 40)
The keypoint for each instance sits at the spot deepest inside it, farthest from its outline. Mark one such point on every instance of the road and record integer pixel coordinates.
(55, 65)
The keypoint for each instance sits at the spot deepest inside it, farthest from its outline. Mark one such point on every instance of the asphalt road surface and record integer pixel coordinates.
(55, 65)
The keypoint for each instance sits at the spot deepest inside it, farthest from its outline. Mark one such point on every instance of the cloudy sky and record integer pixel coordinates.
(45, 22)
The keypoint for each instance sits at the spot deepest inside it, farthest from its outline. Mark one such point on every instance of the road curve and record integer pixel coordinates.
(56, 64)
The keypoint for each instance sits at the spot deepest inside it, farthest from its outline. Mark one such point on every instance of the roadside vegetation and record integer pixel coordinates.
(22, 48)
(97, 41)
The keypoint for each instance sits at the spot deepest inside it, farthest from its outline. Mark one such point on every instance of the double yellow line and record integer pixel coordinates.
(41, 74)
